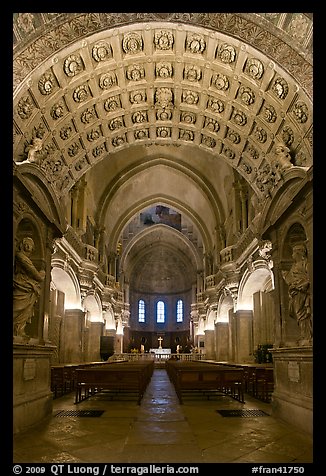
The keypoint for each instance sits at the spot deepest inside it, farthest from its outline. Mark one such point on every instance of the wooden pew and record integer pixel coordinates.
(63, 376)
(131, 377)
(263, 384)
(198, 376)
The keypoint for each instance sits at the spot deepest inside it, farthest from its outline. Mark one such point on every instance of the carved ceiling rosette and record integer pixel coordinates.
(269, 113)
(112, 103)
(107, 80)
(57, 110)
(132, 43)
(163, 40)
(246, 95)
(164, 98)
(233, 136)
(73, 65)
(195, 43)
(163, 70)
(226, 53)
(260, 134)
(215, 105)
(116, 123)
(141, 134)
(139, 116)
(119, 140)
(254, 68)
(208, 141)
(300, 112)
(101, 51)
(88, 115)
(192, 73)
(190, 97)
(211, 124)
(47, 83)
(163, 132)
(220, 81)
(239, 117)
(188, 117)
(137, 97)
(81, 93)
(25, 107)
(280, 88)
(187, 135)
(135, 72)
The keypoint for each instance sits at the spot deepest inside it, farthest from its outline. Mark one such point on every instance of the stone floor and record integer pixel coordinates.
(160, 430)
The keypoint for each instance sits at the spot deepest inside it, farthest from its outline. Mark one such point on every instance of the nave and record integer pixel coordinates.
(160, 430)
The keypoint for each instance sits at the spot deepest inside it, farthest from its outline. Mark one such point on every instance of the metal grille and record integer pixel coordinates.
(79, 413)
(242, 413)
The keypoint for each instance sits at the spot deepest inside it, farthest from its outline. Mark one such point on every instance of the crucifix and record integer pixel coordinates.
(160, 341)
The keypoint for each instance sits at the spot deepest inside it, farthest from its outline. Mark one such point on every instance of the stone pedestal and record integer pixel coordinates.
(32, 396)
(292, 399)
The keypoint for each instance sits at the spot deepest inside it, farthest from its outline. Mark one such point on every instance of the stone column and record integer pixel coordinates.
(244, 336)
(72, 335)
(210, 344)
(222, 341)
(94, 335)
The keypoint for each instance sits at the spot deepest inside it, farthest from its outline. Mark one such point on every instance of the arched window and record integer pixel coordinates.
(141, 310)
(160, 312)
(179, 310)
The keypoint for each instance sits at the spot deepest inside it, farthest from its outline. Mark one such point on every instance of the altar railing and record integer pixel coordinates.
(157, 357)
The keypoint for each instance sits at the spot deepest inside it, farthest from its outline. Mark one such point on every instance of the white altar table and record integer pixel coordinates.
(161, 353)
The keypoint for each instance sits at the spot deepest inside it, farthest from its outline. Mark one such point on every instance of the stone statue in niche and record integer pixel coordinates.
(297, 279)
(27, 286)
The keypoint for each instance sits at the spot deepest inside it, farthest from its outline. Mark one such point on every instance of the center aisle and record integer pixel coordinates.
(160, 432)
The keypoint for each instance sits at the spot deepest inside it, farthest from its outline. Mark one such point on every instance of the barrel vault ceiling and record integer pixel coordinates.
(160, 108)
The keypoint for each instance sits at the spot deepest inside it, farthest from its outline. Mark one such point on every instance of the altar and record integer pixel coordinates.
(161, 351)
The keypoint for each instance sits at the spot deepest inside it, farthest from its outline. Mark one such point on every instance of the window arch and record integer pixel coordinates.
(160, 312)
(141, 310)
(179, 310)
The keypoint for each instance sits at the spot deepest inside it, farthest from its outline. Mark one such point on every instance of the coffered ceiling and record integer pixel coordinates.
(179, 102)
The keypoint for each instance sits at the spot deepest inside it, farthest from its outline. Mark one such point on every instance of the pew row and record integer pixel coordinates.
(63, 376)
(197, 376)
(115, 379)
(258, 378)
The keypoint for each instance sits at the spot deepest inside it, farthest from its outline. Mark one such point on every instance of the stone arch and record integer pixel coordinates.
(93, 307)
(224, 306)
(109, 320)
(210, 319)
(260, 279)
(66, 281)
